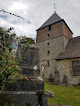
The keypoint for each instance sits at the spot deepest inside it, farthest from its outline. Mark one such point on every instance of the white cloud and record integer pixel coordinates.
(18, 6)
(37, 12)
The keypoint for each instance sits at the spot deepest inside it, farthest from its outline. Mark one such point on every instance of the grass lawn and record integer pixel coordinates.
(64, 95)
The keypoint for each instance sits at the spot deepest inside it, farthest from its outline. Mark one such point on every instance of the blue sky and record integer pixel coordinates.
(14, 45)
(36, 12)
(3, 16)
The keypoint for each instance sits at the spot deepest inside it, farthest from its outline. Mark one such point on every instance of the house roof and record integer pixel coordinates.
(72, 49)
(54, 19)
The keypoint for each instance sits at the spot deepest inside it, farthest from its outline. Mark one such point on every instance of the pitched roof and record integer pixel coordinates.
(53, 19)
(72, 49)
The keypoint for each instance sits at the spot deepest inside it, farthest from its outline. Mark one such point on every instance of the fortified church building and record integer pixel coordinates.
(59, 52)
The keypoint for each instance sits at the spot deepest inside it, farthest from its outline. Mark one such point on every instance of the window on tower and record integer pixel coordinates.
(48, 52)
(49, 28)
(48, 34)
(47, 43)
(48, 63)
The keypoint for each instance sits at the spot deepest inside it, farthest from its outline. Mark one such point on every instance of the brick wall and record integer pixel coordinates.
(66, 31)
(57, 29)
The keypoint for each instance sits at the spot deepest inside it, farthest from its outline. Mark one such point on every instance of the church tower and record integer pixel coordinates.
(51, 39)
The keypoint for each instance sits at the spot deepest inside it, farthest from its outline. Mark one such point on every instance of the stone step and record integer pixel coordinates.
(49, 93)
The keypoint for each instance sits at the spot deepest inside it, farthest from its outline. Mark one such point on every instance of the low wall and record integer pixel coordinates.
(25, 85)
(28, 91)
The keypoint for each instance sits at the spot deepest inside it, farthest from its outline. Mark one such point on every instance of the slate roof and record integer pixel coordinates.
(72, 49)
(54, 19)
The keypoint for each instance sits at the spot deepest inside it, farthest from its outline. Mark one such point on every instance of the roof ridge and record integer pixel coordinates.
(53, 19)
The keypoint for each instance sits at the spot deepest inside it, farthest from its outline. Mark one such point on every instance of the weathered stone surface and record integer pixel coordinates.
(21, 99)
(56, 45)
(30, 61)
(65, 68)
(25, 85)
(49, 92)
(65, 79)
(45, 100)
(19, 96)
(15, 99)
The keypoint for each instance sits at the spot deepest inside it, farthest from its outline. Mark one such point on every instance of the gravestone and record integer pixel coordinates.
(28, 91)
(65, 79)
(30, 65)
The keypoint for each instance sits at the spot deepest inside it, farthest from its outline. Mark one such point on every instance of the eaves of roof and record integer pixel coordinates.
(55, 23)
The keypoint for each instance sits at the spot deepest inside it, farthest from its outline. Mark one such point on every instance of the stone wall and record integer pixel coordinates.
(14, 99)
(64, 67)
(25, 85)
(25, 91)
(54, 46)
(23, 99)
(51, 43)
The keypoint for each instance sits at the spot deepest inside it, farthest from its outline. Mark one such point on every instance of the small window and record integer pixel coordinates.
(48, 63)
(48, 34)
(49, 27)
(48, 52)
(47, 43)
